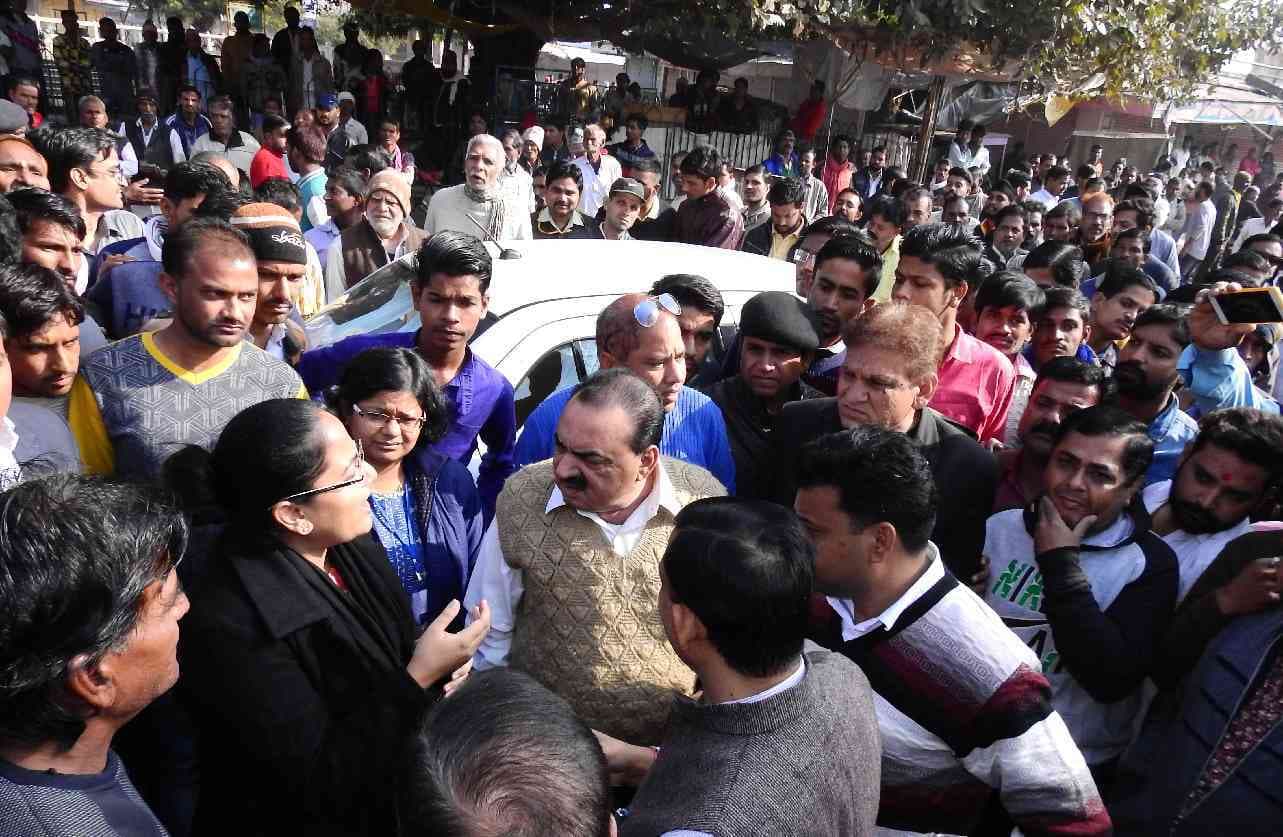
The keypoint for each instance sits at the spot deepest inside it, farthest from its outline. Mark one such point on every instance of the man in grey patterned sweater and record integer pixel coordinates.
(780, 741)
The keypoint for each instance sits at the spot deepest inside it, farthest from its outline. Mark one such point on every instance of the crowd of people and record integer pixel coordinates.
(978, 530)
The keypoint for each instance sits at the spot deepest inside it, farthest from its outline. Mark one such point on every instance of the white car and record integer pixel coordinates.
(544, 305)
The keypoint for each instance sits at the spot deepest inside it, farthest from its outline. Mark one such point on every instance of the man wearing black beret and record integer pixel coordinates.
(777, 340)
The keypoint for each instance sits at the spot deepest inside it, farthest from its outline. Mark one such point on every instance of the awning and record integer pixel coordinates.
(570, 51)
(1222, 105)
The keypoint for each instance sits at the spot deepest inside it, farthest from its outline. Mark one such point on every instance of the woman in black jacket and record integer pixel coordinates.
(301, 667)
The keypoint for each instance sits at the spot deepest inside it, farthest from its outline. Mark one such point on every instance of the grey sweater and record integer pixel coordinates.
(806, 761)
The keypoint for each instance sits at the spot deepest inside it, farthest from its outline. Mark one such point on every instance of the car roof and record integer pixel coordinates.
(551, 269)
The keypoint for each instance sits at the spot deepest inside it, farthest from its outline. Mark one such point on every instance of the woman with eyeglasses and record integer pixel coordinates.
(303, 670)
(427, 513)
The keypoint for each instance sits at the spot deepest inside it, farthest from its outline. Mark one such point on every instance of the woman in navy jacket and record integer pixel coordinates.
(425, 506)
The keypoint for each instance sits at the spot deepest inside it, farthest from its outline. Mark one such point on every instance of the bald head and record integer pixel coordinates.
(647, 341)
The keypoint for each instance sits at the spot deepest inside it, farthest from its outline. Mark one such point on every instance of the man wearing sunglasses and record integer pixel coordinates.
(641, 333)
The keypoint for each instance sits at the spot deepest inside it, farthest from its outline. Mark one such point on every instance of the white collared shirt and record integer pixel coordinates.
(779, 688)
(845, 608)
(502, 586)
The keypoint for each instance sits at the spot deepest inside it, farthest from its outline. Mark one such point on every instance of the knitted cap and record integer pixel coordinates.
(273, 234)
(533, 134)
(391, 181)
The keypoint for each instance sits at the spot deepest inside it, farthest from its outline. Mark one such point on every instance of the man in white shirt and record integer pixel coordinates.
(515, 183)
(942, 665)
(355, 131)
(1256, 226)
(960, 154)
(1052, 185)
(570, 564)
(1236, 458)
(1196, 237)
(599, 170)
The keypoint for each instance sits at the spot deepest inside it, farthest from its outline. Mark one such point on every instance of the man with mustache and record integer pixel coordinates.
(1063, 385)
(643, 334)
(281, 256)
(42, 338)
(477, 206)
(138, 400)
(381, 236)
(1146, 377)
(887, 380)
(1223, 476)
(776, 341)
(570, 565)
(1081, 579)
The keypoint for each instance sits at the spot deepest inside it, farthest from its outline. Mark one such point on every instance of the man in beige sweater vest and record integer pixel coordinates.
(570, 565)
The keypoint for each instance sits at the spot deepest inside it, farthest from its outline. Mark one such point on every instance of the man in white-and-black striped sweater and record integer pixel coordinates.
(970, 741)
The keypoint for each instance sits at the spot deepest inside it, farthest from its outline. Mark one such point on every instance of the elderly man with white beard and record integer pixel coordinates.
(380, 237)
(477, 206)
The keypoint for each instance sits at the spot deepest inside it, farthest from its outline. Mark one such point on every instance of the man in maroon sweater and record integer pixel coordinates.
(705, 217)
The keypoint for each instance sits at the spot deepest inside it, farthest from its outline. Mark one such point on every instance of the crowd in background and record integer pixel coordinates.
(977, 530)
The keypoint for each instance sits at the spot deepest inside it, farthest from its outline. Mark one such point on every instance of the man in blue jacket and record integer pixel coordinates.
(451, 289)
(641, 333)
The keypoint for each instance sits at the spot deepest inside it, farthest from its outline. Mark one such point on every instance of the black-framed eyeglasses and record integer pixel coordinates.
(358, 461)
(382, 417)
(646, 312)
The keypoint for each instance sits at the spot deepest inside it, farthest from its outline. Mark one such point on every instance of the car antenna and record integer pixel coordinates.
(504, 252)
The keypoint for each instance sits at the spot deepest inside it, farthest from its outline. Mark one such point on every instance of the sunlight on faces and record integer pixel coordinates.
(1007, 329)
(217, 295)
(562, 198)
(483, 164)
(53, 246)
(659, 359)
(384, 213)
(450, 308)
(1214, 489)
(44, 363)
(146, 665)
(847, 207)
(843, 548)
(1049, 403)
(100, 182)
(1059, 332)
(754, 187)
(383, 441)
(21, 165)
(919, 283)
(1084, 477)
(837, 296)
(341, 515)
(1114, 316)
(874, 388)
(593, 463)
(279, 286)
(695, 186)
(622, 211)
